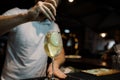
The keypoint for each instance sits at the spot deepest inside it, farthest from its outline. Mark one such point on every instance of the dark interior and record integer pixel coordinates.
(85, 19)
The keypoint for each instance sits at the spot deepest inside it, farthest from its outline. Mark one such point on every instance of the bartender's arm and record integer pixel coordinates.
(59, 60)
(8, 22)
(36, 13)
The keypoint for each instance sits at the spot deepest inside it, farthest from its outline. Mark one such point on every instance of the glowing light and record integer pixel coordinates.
(104, 63)
(67, 31)
(103, 35)
(70, 0)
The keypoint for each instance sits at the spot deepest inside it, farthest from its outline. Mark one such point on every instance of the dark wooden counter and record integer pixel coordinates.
(84, 76)
(87, 63)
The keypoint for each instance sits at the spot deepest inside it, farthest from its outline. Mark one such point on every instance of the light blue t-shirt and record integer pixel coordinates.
(25, 57)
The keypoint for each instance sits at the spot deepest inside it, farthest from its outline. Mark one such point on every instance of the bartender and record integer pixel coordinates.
(25, 54)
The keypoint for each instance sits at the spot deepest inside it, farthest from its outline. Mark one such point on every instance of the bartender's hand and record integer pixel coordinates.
(57, 72)
(43, 10)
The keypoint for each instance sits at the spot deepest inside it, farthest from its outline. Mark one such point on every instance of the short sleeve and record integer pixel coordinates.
(14, 11)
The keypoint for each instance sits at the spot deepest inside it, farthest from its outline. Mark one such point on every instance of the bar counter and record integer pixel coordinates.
(84, 76)
(83, 63)
(86, 63)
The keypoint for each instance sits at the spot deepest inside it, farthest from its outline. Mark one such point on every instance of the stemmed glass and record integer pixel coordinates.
(53, 46)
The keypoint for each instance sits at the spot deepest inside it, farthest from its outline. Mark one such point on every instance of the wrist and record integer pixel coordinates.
(28, 16)
(56, 65)
(24, 17)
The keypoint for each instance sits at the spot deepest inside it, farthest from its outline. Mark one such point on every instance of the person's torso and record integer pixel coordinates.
(26, 57)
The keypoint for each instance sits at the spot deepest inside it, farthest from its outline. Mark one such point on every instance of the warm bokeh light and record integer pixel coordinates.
(70, 1)
(103, 63)
(103, 35)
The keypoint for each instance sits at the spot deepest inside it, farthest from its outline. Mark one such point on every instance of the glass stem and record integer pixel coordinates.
(53, 69)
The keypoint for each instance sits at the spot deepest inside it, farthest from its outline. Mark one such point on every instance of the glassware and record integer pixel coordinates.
(53, 46)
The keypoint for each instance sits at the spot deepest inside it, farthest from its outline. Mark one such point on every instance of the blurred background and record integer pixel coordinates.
(88, 27)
